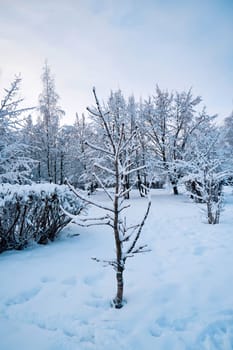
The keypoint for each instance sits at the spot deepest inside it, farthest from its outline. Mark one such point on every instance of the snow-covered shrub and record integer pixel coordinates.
(33, 213)
(204, 183)
(210, 192)
(193, 188)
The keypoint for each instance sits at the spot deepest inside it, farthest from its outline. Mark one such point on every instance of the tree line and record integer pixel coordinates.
(174, 140)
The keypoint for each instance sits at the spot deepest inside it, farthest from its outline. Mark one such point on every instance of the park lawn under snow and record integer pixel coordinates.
(179, 296)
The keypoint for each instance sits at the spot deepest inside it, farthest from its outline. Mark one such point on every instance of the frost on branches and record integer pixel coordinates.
(15, 163)
(170, 120)
(50, 115)
(207, 172)
(115, 154)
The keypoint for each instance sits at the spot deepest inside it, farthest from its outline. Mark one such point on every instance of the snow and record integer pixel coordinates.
(25, 189)
(179, 296)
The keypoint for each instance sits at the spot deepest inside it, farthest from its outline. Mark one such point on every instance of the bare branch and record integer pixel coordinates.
(141, 249)
(93, 112)
(97, 148)
(134, 133)
(107, 262)
(102, 116)
(135, 169)
(93, 223)
(120, 140)
(124, 207)
(104, 168)
(87, 200)
(130, 250)
(123, 193)
(126, 238)
(103, 187)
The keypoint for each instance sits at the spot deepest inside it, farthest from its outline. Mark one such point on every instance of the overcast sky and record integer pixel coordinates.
(128, 44)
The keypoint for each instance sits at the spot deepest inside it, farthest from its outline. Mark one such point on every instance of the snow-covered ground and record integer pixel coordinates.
(179, 296)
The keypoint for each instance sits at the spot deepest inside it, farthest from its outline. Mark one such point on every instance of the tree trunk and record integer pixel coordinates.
(175, 190)
(126, 186)
(174, 181)
(139, 184)
(48, 152)
(209, 212)
(175, 187)
(55, 170)
(118, 301)
(48, 165)
(39, 172)
(61, 169)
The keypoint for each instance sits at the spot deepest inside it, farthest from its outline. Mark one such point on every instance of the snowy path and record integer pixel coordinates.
(179, 295)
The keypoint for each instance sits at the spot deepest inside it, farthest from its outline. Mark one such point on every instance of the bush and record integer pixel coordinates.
(33, 213)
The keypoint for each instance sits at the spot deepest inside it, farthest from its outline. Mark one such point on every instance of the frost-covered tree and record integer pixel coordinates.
(170, 121)
(140, 160)
(65, 158)
(15, 161)
(207, 171)
(82, 155)
(121, 111)
(114, 159)
(183, 123)
(29, 135)
(50, 115)
(227, 139)
(228, 131)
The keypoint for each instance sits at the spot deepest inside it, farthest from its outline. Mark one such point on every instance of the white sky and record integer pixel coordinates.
(127, 44)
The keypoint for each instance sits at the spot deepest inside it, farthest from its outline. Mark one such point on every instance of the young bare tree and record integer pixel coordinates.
(117, 148)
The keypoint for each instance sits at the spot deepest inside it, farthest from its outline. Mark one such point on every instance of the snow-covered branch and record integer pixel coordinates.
(103, 187)
(98, 148)
(87, 200)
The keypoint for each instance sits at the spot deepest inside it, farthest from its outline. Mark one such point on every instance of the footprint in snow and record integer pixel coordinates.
(216, 336)
(199, 250)
(90, 279)
(46, 279)
(85, 334)
(155, 331)
(69, 333)
(42, 325)
(163, 323)
(23, 297)
(98, 304)
(71, 281)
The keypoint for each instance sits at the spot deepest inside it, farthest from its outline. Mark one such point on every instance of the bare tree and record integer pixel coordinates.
(117, 148)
